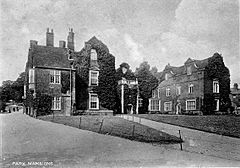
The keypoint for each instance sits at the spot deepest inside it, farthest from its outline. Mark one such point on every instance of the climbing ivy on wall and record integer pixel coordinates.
(217, 70)
(106, 88)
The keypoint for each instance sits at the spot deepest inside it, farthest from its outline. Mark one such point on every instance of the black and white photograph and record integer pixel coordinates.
(119, 83)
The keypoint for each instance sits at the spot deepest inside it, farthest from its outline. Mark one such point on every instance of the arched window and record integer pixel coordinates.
(93, 54)
(190, 88)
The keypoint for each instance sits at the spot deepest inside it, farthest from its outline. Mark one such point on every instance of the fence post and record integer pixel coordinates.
(180, 139)
(101, 126)
(53, 115)
(133, 130)
(80, 121)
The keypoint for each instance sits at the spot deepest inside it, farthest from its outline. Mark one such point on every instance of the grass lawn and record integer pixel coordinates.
(115, 126)
(223, 125)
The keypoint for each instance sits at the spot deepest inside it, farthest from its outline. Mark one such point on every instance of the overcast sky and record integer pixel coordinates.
(157, 31)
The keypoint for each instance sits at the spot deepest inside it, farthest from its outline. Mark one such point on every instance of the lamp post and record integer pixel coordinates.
(137, 96)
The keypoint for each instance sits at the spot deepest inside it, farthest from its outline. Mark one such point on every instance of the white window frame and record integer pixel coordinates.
(178, 90)
(190, 88)
(56, 76)
(189, 70)
(166, 107)
(215, 86)
(168, 92)
(93, 54)
(31, 75)
(90, 100)
(217, 105)
(191, 100)
(56, 103)
(153, 106)
(90, 78)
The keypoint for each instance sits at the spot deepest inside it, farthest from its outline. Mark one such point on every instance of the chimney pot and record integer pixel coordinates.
(62, 44)
(49, 38)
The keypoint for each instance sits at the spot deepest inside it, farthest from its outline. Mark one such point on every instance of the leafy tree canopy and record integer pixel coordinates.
(147, 82)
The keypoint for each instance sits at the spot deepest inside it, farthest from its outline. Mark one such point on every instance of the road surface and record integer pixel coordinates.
(27, 141)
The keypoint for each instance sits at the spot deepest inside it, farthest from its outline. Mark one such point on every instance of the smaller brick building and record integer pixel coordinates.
(49, 71)
(199, 86)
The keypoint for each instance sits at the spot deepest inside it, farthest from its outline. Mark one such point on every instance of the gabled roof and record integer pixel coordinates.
(46, 56)
(200, 64)
(96, 43)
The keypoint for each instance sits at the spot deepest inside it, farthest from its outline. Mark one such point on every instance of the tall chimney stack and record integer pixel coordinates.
(70, 39)
(49, 38)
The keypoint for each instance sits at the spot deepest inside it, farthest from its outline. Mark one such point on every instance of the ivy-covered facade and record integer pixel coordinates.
(95, 78)
(49, 86)
(197, 87)
(63, 81)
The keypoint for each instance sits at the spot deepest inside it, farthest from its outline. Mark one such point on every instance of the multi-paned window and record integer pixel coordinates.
(190, 88)
(55, 76)
(154, 94)
(215, 87)
(56, 103)
(93, 78)
(167, 91)
(168, 106)
(189, 70)
(178, 90)
(155, 105)
(31, 75)
(93, 54)
(94, 102)
(191, 104)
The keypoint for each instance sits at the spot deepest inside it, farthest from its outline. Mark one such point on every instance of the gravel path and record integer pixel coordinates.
(27, 141)
(197, 141)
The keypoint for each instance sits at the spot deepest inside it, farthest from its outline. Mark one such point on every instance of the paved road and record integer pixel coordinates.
(26, 140)
(197, 141)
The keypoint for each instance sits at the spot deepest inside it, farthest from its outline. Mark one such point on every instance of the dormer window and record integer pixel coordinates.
(93, 54)
(189, 70)
(166, 76)
(167, 92)
(154, 95)
(190, 88)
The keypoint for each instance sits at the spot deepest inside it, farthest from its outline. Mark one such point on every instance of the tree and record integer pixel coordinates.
(130, 94)
(13, 90)
(147, 82)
